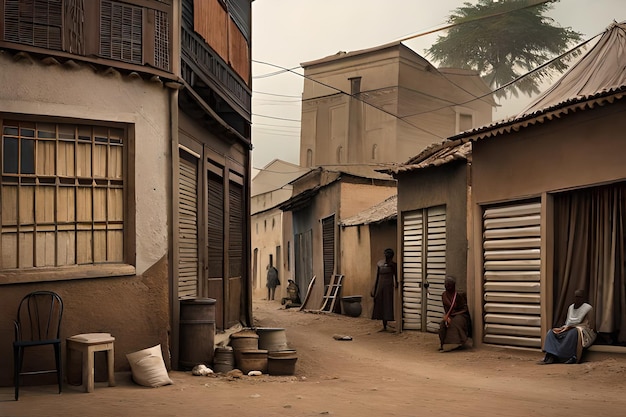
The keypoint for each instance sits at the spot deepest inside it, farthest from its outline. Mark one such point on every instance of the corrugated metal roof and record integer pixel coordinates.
(436, 155)
(383, 211)
(597, 79)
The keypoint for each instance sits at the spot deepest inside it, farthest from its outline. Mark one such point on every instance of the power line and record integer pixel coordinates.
(271, 74)
(350, 95)
(532, 3)
(284, 126)
(277, 118)
(510, 83)
(274, 94)
(490, 93)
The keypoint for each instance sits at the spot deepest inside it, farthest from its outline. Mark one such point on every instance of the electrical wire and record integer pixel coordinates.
(354, 96)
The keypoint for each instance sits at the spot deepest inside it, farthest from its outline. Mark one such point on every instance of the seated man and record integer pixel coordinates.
(566, 343)
(293, 295)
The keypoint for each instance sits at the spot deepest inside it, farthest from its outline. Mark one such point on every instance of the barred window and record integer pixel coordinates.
(62, 192)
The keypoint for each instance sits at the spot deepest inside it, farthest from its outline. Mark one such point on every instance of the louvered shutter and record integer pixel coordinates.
(121, 32)
(512, 262)
(424, 260)
(412, 276)
(36, 22)
(328, 243)
(235, 242)
(216, 226)
(188, 229)
(435, 265)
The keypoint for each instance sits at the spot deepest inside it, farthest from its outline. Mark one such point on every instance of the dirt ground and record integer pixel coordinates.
(374, 374)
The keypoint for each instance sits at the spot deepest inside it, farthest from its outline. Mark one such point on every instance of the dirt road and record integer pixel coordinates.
(374, 374)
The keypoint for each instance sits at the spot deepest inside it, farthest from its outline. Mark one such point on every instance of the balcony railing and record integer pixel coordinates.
(211, 66)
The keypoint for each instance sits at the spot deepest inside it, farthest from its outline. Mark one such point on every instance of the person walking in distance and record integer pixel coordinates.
(272, 281)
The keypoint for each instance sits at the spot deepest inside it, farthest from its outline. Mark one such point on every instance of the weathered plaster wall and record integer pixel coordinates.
(431, 187)
(580, 149)
(58, 91)
(358, 197)
(361, 248)
(134, 309)
(356, 265)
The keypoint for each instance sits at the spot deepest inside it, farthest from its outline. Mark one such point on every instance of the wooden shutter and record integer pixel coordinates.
(236, 225)
(121, 32)
(37, 22)
(328, 243)
(512, 261)
(435, 265)
(210, 21)
(188, 229)
(215, 226)
(424, 261)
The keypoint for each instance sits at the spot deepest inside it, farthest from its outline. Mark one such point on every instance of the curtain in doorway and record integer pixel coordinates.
(589, 254)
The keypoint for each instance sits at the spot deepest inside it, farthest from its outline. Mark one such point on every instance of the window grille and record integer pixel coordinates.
(62, 190)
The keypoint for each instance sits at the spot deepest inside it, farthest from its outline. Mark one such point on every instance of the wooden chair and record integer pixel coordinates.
(38, 323)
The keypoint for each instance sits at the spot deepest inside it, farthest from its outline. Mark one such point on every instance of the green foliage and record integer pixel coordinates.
(503, 40)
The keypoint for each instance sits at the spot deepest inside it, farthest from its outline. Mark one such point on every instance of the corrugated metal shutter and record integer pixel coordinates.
(512, 261)
(435, 265)
(412, 236)
(188, 229)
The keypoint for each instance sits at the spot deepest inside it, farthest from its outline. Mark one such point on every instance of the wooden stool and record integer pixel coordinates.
(88, 344)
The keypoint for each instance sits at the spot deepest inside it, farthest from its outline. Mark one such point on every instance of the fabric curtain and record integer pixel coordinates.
(589, 255)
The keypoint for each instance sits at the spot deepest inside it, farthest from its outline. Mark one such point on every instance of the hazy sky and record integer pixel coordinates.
(286, 33)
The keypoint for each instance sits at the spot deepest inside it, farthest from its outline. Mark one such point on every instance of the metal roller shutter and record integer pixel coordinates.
(512, 261)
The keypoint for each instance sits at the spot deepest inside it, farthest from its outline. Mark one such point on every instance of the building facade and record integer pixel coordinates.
(384, 105)
(94, 107)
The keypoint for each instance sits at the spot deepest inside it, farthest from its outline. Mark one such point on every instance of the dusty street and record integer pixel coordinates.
(375, 374)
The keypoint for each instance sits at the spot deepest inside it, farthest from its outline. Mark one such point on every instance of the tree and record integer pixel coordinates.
(504, 39)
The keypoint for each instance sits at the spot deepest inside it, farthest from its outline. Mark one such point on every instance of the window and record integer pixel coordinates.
(465, 122)
(120, 32)
(130, 31)
(36, 23)
(62, 190)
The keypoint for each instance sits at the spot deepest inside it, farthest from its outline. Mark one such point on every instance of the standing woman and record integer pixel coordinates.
(456, 326)
(384, 288)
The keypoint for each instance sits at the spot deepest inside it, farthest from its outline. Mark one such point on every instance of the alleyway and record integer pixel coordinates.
(375, 374)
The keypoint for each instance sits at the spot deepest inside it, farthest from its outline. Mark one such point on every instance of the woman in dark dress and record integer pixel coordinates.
(456, 326)
(384, 288)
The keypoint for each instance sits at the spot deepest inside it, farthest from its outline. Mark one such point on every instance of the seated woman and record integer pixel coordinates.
(456, 326)
(566, 343)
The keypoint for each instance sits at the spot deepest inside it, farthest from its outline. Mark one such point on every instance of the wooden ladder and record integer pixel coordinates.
(332, 292)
